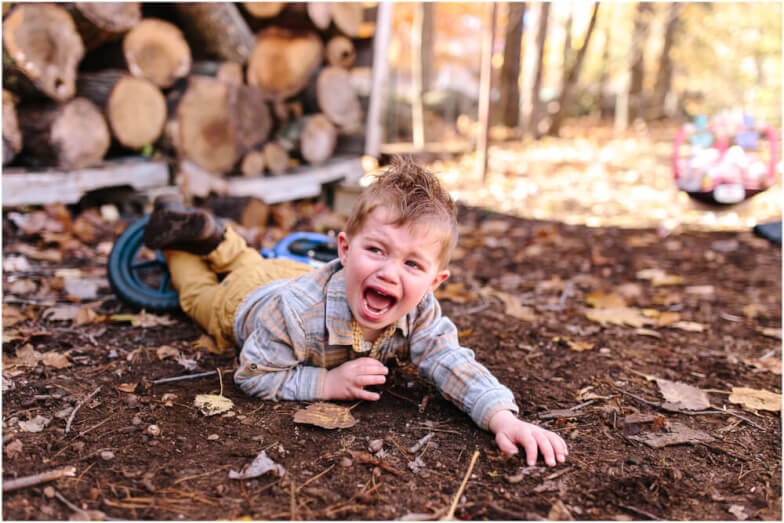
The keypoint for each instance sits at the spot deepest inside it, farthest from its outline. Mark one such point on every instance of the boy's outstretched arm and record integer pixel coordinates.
(510, 432)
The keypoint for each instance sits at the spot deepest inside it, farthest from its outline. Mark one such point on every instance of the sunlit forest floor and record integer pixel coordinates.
(592, 177)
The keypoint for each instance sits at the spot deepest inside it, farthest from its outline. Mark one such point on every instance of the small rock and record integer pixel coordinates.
(345, 461)
(107, 455)
(213, 437)
(63, 413)
(375, 445)
(49, 491)
(14, 448)
(132, 400)
(136, 420)
(154, 430)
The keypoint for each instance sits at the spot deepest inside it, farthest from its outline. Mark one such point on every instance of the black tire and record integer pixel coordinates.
(144, 283)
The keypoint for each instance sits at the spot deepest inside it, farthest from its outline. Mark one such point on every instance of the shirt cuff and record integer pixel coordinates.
(488, 406)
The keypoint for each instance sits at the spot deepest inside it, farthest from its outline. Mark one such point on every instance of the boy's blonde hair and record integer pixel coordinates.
(416, 196)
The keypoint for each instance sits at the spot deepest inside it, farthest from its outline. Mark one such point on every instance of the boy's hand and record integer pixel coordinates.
(348, 381)
(510, 431)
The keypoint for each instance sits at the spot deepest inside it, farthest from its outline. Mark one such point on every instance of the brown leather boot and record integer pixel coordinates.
(172, 227)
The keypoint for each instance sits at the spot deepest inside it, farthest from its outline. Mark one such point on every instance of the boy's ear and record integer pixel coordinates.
(343, 247)
(438, 279)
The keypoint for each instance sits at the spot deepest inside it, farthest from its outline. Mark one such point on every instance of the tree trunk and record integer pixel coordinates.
(571, 80)
(43, 51)
(250, 116)
(536, 106)
(156, 50)
(72, 135)
(567, 48)
(639, 40)
(664, 74)
(341, 52)
(134, 107)
(318, 139)
(12, 136)
(100, 22)
(263, 9)
(217, 29)
(509, 103)
(283, 61)
(337, 98)
(276, 158)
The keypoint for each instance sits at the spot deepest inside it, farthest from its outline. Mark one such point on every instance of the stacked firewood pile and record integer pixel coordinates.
(249, 88)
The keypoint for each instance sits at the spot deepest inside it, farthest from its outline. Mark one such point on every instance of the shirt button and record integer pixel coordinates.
(253, 366)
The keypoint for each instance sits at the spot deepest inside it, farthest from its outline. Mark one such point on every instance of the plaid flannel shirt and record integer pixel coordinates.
(292, 331)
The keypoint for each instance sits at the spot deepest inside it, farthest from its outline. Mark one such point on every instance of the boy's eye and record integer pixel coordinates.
(374, 250)
(413, 264)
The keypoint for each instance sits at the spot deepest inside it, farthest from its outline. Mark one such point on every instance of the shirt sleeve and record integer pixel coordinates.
(457, 375)
(272, 358)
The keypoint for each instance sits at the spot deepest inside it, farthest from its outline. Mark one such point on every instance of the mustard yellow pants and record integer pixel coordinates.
(213, 304)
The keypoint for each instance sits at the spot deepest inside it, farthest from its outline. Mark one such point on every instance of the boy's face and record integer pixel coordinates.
(389, 269)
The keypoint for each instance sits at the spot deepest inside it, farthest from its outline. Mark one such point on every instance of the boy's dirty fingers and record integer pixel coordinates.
(546, 448)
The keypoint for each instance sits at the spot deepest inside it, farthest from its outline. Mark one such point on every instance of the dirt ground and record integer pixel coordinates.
(699, 309)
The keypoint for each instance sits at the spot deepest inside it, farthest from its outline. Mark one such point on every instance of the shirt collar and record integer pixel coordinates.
(338, 314)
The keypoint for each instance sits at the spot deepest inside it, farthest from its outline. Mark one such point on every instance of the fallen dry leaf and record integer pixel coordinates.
(601, 300)
(658, 277)
(83, 288)
(37, 424)
(688, 326)
(755, 399)
(619, 316)
(127, 387)
(753, 310)
(700, 290)
(261, 465)
(55, 360)
(11, 315)
(771, 364)
(455, 292)
(211, 404)
(668, 318)
(22, 287)
(207, 342)
(770, 332)
(579, 346)
(87, 315)
(682, 396)
(559, 512)
(666, 298)
(144, 319)
(13, 449)
(739, 511)
(61, 313)
(49, 255)
(326, 415)
(27, 357)
(648, 332)
(166, 351)
(679, 434)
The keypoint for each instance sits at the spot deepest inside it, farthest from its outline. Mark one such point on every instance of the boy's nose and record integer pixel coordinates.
(388, 272)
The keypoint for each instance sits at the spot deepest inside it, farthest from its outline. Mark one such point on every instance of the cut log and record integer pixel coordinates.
(206, 133)
(195, 181)
(263, 9)
(135, 108)
(245, 210)
(341, 52)
(252, 164)
(319, 13)
(250, 116)
(12, 136)
(229, 72)
(156, 50)
(43, 51)
(100, 22)
(216, 29)
(283, 61)
(276, 158)
(337, 98)
(72, 135)
(318, 139)
(347, 17)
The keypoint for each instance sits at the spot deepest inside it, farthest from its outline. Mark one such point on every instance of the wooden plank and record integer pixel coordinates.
(379, 78)
(303, 182)
(22, 187)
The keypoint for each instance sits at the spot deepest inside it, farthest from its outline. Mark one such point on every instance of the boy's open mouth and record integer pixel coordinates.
(376, 302)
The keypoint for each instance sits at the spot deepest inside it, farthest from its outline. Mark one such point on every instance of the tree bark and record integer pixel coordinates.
(100, 22)
(156, 50)
(318, 139)
(664, 74)
(509, 103)
(571, 80)
(341, 52)
(72, 135)
(12, 136)
(43, 51)
(283, 61)
(639, 40)
(541, 35)
(337, 98)
(229, 72)
(217, 30)
(135, 108)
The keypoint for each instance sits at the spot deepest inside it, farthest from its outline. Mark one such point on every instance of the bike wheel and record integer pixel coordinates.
(139, 276)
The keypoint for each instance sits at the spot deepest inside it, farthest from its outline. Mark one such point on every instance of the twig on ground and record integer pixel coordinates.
(36, 479)
(188, 377)
(640, 512)
(510, 514)
(293, 511)
(473, 310)
(76, 409)
(317, 476)
(451, 513)
(186, 478)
